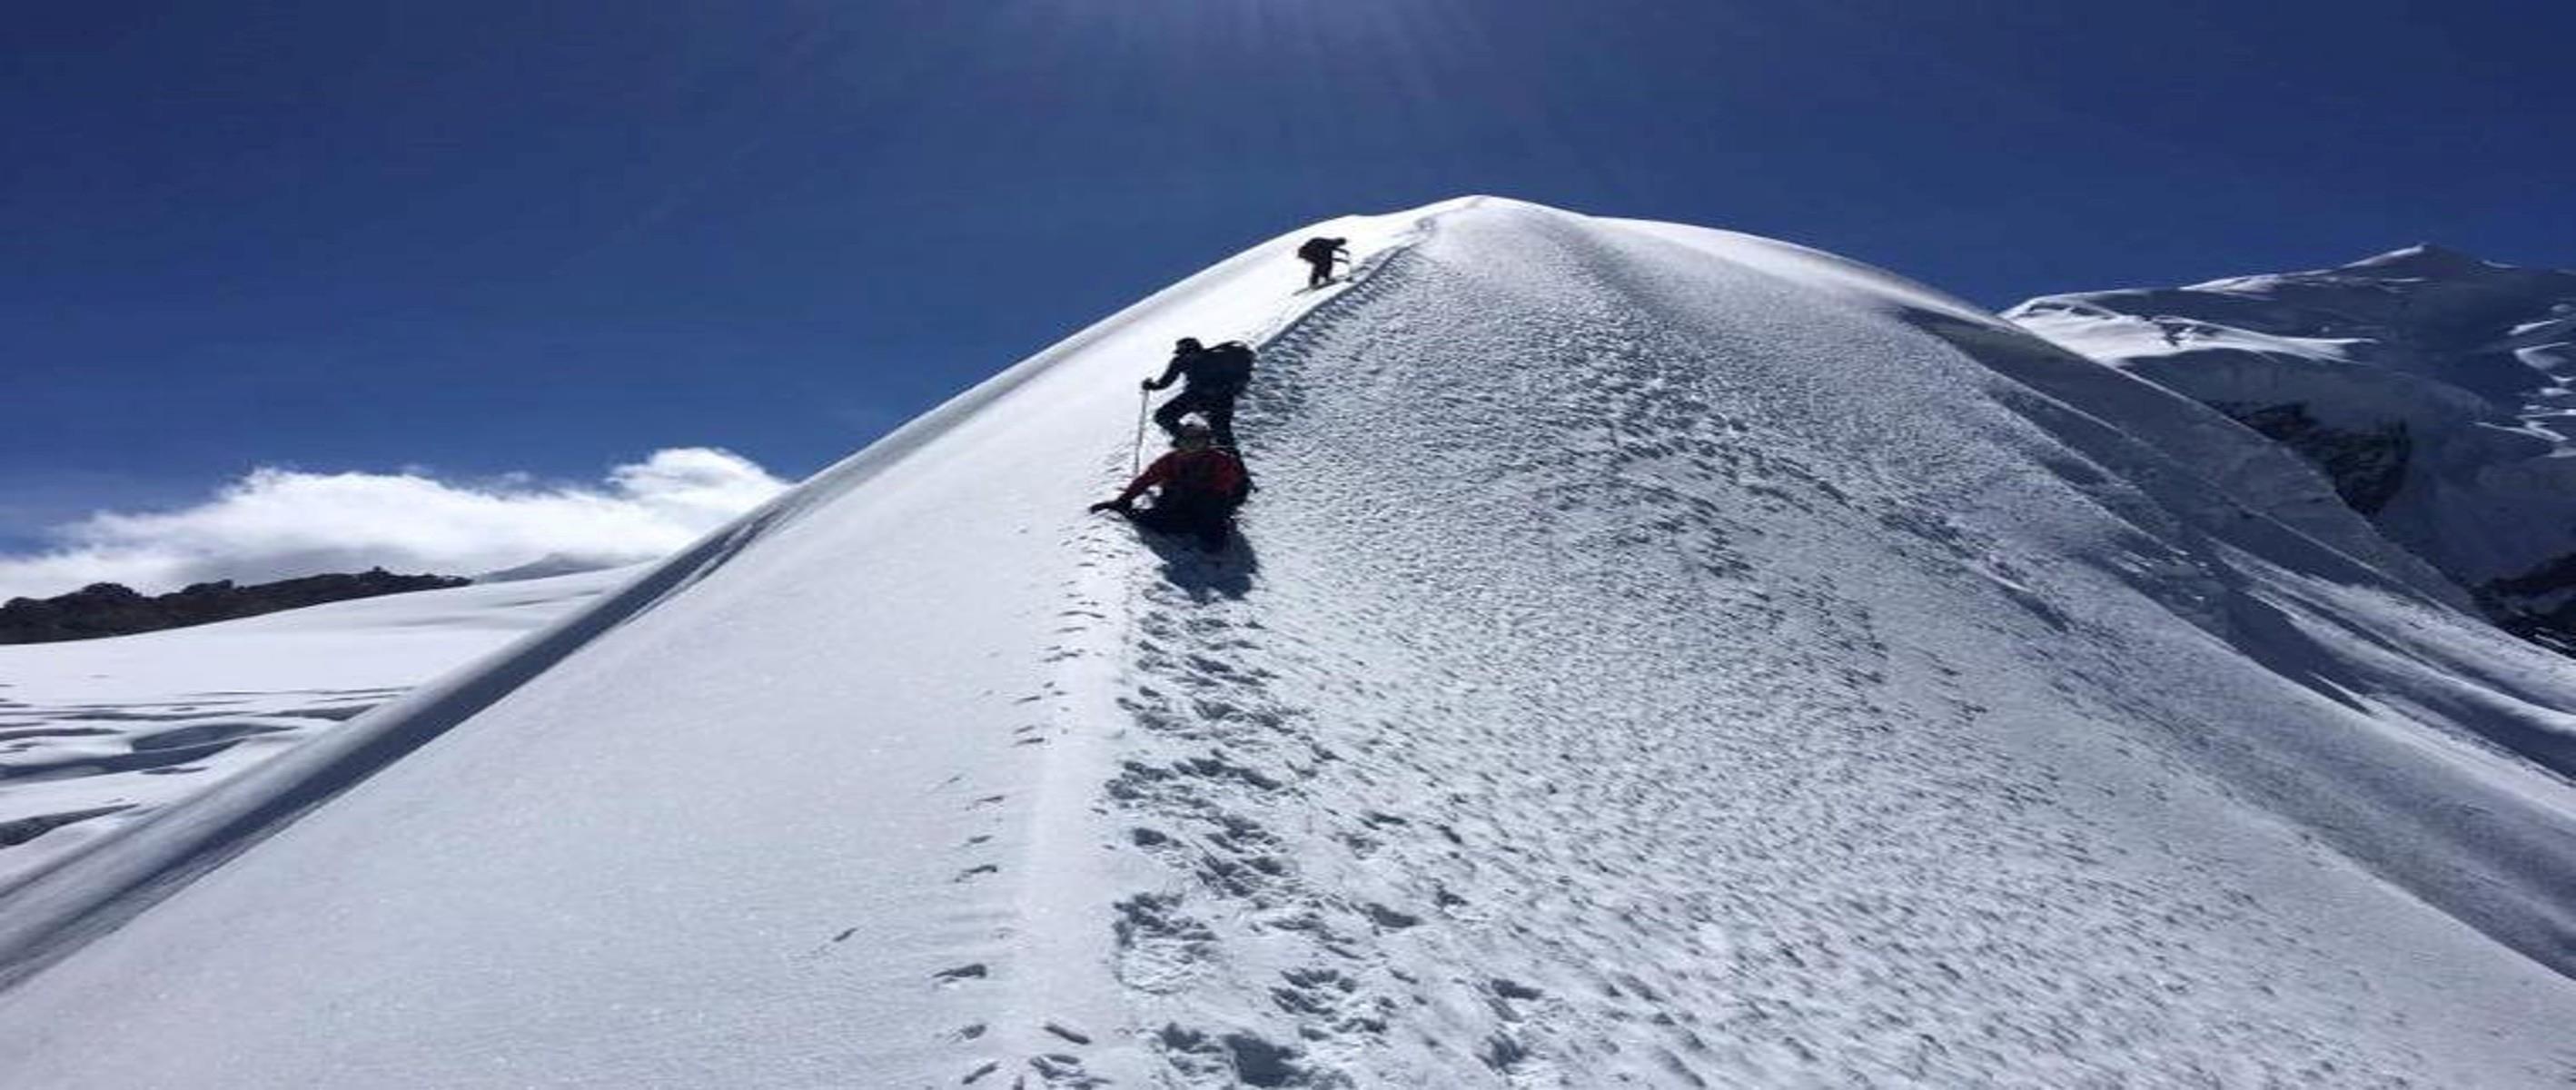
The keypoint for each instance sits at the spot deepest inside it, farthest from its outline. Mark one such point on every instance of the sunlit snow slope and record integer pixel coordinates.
(1657, 656)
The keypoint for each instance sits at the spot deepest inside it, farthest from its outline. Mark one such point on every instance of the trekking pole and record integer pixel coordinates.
(1136, 453)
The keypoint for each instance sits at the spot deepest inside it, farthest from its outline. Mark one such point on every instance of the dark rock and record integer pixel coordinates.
(108, 609)
(2367, 466)
(2537, 605)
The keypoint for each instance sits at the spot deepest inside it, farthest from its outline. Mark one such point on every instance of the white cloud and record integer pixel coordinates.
(277, 523)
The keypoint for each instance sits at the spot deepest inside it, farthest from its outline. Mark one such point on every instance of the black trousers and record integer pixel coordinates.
(1205, 520)
(1323, 273)
(1216, 405)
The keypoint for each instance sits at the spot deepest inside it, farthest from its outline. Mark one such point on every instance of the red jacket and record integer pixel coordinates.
(1208, 471)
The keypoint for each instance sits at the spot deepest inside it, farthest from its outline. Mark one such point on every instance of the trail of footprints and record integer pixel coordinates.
(1221, 757)
(1212, 743)
(1095, 543)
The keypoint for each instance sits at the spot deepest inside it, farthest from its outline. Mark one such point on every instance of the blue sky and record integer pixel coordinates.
(514, 237)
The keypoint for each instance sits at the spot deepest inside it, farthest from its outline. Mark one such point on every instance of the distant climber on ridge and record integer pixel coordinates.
(1200, 484)
(1320, 253)
(1216, 375)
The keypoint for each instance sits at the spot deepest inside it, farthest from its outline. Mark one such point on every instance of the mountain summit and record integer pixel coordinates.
(1657, 656)
(2428, 261)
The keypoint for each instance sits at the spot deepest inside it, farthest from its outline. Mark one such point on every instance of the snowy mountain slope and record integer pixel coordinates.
(1656, 656)
(98, 734)
(2432, 385)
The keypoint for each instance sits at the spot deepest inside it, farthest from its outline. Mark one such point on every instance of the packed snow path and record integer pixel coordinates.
(1656, 657)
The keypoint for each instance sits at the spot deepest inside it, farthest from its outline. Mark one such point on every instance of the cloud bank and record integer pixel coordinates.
(277, 523)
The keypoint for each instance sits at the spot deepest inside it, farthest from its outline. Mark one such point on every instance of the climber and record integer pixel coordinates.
(1320, 253)
(1215, 376)
(1199, 485)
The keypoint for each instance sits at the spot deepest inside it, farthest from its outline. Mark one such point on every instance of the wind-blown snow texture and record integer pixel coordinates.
(1658, 656)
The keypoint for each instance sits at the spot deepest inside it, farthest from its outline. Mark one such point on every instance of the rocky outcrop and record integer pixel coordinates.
(2538, 605)
(110, 609)
(2366, 464)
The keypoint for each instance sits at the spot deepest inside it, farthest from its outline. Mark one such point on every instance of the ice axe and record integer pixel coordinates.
(1136, 452)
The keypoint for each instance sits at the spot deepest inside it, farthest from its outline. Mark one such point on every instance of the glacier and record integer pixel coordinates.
(2431, 385)
(1656, 656)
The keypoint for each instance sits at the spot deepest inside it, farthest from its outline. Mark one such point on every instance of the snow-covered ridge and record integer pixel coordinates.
(1660, 656)
(2436, 387)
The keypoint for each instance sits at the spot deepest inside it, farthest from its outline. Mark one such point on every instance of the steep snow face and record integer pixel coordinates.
(1655, 655)
(96, 735)
(2435, 387)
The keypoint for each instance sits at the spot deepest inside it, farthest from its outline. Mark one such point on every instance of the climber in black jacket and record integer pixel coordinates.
(1215, 376)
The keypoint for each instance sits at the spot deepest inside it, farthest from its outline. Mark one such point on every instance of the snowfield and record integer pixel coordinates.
(98, 734)
(1656, 656)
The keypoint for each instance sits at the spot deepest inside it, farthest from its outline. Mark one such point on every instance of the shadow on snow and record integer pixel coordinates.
(1203, 574)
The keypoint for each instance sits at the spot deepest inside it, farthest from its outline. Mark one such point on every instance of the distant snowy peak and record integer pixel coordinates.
(2495, 331)
(546, 567)
(2437, 390)
(2438, 301)
(2425, 259)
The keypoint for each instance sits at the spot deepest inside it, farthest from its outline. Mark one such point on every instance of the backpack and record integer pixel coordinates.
(1228, 364)
(1316, 249)
(1215, 473)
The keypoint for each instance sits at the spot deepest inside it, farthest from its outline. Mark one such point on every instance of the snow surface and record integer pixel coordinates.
(96, 735)
(2477, 361)
(1656, 656)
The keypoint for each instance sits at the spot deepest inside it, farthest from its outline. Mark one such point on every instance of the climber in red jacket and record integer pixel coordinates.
(1199, 484)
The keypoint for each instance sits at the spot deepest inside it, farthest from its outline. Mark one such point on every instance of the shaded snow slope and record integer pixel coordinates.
(2434, 386)
(1656, 656)
(96, 735)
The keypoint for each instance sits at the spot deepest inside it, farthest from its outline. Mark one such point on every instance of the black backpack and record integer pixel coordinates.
(1228, 365)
